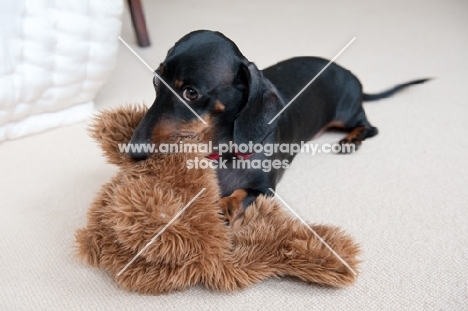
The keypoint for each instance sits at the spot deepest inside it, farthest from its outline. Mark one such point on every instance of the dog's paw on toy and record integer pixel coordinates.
(198, 247)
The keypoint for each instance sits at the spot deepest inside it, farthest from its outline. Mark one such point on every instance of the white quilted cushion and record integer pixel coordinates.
(54, 57)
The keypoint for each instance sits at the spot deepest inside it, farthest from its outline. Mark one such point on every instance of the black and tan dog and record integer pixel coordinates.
(237, 102)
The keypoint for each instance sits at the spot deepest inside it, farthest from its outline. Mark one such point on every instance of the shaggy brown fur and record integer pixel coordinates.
(198, 247)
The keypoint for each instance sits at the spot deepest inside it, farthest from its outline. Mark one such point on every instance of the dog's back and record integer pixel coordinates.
(336, 91)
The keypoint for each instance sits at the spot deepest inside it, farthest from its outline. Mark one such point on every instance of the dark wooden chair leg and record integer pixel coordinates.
(139, 23)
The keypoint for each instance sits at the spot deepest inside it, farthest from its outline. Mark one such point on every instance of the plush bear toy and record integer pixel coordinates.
(143, 197)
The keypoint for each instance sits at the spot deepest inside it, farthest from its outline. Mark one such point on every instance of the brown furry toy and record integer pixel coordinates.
(133, 232)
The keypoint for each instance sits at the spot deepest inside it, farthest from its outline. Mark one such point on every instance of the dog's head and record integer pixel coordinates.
(207, 71)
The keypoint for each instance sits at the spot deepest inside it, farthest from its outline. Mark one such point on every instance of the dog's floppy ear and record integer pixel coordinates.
(263, 103)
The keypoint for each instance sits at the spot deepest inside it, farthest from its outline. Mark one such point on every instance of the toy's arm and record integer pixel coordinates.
(112, 129)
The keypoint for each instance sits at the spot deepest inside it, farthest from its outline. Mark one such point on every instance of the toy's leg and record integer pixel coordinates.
(270, 240)
(307, 258)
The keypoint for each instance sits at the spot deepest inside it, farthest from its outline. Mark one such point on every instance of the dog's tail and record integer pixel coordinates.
(392, 91)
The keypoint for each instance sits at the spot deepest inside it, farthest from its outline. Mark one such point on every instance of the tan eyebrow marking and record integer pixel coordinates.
(178, 83)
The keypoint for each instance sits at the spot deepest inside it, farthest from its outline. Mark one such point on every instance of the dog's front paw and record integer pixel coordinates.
(232, 207)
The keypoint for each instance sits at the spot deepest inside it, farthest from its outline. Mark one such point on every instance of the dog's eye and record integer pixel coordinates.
(190, 94)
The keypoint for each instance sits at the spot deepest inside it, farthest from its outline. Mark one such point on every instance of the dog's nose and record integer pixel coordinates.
(137, 155)
(140, 145)
(138, 149)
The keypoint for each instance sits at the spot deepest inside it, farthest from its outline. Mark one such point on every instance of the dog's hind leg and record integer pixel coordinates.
(359, 129)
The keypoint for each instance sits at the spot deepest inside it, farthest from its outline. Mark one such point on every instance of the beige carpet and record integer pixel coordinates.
(402, 196)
